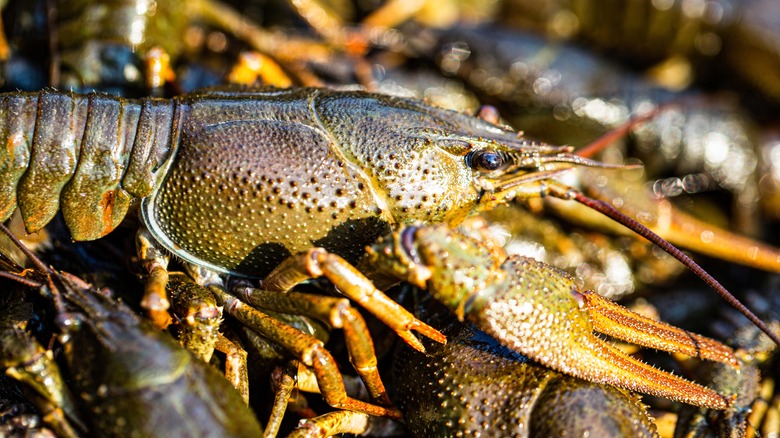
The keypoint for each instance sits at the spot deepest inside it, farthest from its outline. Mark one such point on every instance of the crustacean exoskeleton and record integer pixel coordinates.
(128, 377)
(130, 48)
(736, 38)
(473, 384)
(24, 359)
(283, 171)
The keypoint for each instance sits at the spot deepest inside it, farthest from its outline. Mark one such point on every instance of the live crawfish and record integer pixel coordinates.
(129, 378)
(306, 167)
(509, 298)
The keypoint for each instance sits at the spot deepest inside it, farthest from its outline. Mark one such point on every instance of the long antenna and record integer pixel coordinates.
(20, 279)
(608, 210)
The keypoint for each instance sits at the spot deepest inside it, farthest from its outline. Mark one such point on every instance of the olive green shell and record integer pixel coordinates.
(134, 380)
(87, 155)
(260, 175)
(238, 180)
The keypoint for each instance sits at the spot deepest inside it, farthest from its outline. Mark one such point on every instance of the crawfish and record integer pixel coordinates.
(26, 361)
(546, 87)
(738, 36)
(293, 168)
(346, 167)
(489, 388)
(245, 182)
(101, 44)
(130, 378)
(115, 45)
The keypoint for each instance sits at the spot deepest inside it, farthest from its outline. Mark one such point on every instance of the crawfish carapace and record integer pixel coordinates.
(331, 169)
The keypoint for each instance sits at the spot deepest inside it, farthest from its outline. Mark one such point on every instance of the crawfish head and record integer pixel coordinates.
(430, 164)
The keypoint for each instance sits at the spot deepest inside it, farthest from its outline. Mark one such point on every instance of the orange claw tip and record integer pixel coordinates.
(395, 414)
(411, 340)
(611, 366)
(574, 350)
(619, 322)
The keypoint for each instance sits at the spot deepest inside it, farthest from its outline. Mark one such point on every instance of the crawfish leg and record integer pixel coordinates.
(158, 70)
(284, 379)
(5, 51)
(615, 320)
(235, 363)
(295, 373)
(339, 314)
(254, 67)
(318, 262)
(155, 262)
(308, 349)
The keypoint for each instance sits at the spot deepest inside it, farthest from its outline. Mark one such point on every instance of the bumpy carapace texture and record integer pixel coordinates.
(283, 171)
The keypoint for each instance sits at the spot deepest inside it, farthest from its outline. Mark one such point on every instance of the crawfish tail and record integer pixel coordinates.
(88, 155)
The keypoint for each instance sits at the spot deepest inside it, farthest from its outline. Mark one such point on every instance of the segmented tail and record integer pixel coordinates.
(89, 155)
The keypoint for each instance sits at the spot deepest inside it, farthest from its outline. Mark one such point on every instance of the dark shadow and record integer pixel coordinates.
(349, 239)
(263, 259)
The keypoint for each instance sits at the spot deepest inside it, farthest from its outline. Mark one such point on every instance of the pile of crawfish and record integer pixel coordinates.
(394, 218)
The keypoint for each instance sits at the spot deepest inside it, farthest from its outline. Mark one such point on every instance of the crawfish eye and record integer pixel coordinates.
(484, 160)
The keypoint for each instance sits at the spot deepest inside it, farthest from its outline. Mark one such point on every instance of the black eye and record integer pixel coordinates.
(485, 160)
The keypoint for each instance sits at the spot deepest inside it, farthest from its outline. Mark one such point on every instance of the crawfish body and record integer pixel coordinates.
(127, 377)
(123, 365)
(238, 180)
(472, 384)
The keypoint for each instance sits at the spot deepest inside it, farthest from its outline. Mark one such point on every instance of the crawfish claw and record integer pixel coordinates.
(427, 331)
(540, 312)
(405, 333)
(615, 320)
